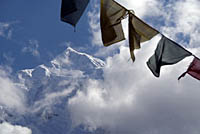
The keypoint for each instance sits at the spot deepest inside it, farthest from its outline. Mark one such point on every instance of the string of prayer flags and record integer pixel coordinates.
(111, 28)
(139, 32)
(110, 22)
(72, 10)
(193, 69)
(167, 52)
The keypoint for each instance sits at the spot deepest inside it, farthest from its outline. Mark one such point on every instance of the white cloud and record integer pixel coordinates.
(182, 18)
(32, 48)
(7, 128)
(12, 94)
(188, 14)
(142, 7)
(6, 29)
(51, 99)
(130, 99)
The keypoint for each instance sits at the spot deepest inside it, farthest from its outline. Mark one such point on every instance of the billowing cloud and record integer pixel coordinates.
(12, 94)
(32, 48)
(130, 99)
(182, 21)
(142, 7)
(51, 99)
(7, 128)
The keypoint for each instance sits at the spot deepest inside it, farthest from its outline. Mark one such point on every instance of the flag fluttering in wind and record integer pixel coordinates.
(193, 70)
(167, 52)
(72, 10)
(110, 21)
(139, 32)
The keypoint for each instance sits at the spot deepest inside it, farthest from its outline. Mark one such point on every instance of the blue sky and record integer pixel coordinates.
(36, 25)
(34, 33)
(129, 98)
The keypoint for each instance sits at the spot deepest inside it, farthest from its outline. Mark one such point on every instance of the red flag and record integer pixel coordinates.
(193, 70)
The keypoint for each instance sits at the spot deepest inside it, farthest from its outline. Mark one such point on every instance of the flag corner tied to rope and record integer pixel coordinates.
(167, 52)
(111, 15)
(193, 70)
(72, 10)
(139, 32)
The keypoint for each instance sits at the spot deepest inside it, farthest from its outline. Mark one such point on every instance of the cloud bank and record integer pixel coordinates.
(7, 128)
(12, 94)
(181, 21)
(130, 99)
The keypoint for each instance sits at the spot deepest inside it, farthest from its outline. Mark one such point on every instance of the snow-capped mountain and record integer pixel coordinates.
(48, 88)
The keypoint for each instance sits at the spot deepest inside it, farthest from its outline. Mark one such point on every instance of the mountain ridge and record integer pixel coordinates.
(49, 86)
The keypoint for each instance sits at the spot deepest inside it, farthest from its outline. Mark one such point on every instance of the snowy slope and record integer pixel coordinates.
(48, 88)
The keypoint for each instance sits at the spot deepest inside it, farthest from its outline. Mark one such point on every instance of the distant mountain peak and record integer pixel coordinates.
(28, 72)
(99, 63)
(70, 59)
(71, 49)
(71, 56)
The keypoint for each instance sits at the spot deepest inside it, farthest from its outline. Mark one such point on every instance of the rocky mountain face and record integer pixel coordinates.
(48, 87)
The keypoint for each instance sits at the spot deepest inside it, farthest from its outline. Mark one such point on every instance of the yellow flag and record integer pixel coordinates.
(139, 32)
(110, 20)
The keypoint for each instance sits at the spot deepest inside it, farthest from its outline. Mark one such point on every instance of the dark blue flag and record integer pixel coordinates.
(72, 10)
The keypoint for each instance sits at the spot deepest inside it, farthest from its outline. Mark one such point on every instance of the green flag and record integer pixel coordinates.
(110, 20)
(167, 52)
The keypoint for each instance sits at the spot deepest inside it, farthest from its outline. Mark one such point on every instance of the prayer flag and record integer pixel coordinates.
(167, 52)
(72, 10)
(139, 32)
(110, 21)
(193, 70)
